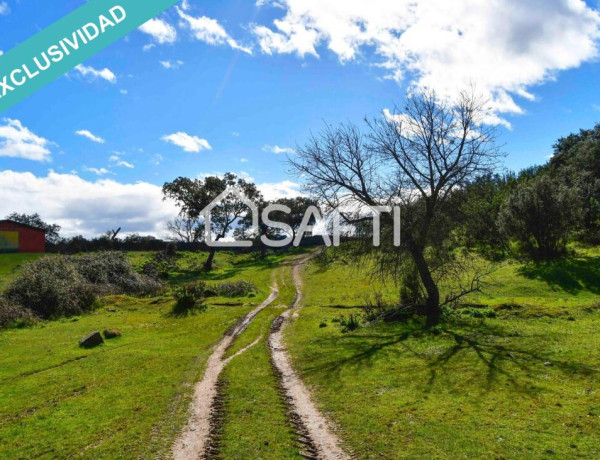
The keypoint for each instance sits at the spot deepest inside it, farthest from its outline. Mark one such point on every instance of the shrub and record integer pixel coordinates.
(58, 286)
(189, 298)
(52, 287)
(234, 289)
(14, 316)
(540, 215)
(113, 273)
(349, 324)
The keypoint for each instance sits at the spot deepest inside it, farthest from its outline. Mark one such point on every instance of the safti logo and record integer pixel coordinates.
(312, 214)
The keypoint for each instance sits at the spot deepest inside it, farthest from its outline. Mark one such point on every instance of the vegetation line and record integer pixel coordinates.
(195, 439)
(314, 430)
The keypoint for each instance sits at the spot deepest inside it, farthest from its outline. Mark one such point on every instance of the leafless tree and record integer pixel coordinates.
(185, 229)
(415, 158)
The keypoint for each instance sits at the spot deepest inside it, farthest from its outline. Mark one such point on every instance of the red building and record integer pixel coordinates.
(16, 237)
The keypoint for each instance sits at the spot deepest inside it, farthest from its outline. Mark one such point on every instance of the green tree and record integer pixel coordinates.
(540, 214)
(193, 195)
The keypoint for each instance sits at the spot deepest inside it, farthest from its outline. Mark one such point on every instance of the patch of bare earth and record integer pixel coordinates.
(314, 429)
(195, 438)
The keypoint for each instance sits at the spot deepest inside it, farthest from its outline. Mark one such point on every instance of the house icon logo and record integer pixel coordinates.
(222, 200)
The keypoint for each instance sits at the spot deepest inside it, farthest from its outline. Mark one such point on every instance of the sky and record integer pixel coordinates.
(236, 85)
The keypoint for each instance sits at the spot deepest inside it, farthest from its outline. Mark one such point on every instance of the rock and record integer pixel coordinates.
(112, 310)
(92, 340)
(112, 333)
(547, 364)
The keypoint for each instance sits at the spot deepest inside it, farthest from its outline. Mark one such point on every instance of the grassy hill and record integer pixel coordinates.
(522, 384)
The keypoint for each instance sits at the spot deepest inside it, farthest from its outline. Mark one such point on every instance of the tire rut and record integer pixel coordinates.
(205, 419)
(314, 432)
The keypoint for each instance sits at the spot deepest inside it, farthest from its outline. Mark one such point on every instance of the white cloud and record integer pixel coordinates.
(171, 64)
(4, 8)
(116, 159)
(161, 31)
(96, 171)
(90, 136)
(123, 91)
(93, 74)
(209, 30)
(86, 207)
(278, 150)
(502, 47)
(276, 190)
(17, 141)
(187, 142)
(235, 134)
(244, 160)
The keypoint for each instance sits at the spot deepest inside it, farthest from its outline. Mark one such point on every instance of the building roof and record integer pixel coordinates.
(7, 221)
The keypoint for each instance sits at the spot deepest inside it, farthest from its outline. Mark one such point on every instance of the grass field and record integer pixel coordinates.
(10, 265)
(523, 385)
(127, 396)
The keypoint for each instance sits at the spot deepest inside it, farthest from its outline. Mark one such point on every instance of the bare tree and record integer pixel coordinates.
(186, 229)
(414, 158)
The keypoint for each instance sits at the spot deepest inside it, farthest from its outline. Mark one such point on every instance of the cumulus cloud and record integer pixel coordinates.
(209, 31)
(17, 141)
(278, 150)
(276, 190)
(87, 134)
(161, 31)
(188, 143)
(94, 74)
(86, 207)
(4, 9)
(503, 48)
(171, 64)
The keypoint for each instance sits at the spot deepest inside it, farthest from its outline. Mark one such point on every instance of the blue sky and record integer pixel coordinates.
(247, 77)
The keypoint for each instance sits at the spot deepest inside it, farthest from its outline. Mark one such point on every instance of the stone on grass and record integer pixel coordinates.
(91, 340)
(112, 333)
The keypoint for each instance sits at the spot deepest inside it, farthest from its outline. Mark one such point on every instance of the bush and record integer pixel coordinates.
(113, 273)
(349, 324)
(189, 298)
(540, 215)
(52, 287)
(58, 286)
(14, 316)
(234, 289)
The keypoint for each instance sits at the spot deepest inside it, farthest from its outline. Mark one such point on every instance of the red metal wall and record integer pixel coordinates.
(30, 240)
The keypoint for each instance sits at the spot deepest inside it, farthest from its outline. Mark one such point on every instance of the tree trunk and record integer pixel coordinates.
(209, 262)
(433, 309)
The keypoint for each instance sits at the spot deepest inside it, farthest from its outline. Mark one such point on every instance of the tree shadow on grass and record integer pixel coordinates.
(502, 353)
(571, 275)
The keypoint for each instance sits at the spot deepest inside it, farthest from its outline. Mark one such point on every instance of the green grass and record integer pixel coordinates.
(10, 264)
(472, 388)
(128, 397)
(256, 422)
(522, 385)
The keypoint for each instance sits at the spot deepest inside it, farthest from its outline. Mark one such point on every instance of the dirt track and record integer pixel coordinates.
(314, 431)
(192, 443)
(321, 438)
